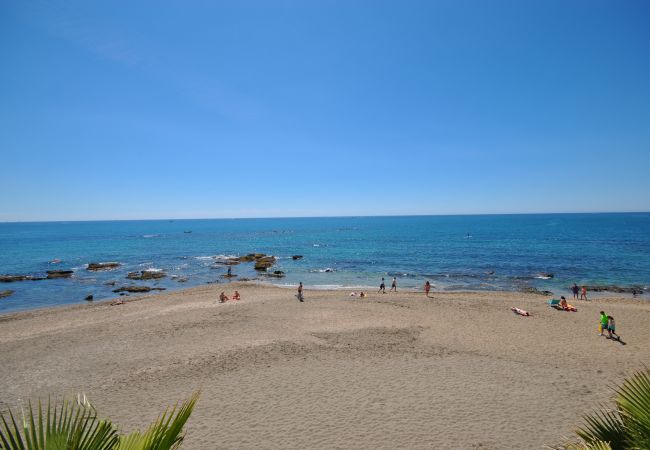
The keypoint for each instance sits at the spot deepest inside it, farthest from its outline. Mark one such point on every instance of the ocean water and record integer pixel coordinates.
(505, 252)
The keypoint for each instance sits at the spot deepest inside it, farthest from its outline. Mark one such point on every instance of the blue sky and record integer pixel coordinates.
(183, 109)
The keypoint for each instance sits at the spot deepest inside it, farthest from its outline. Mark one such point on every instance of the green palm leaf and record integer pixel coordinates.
(72, 426)
(634, 408)
(166, 433)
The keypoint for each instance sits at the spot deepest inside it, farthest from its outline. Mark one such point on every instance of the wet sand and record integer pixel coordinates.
(459, 370)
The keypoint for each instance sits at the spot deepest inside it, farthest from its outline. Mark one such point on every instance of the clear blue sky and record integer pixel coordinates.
(122, 109)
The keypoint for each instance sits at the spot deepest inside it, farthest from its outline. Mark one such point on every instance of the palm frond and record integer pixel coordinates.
(633, 401)
(72, 425)
(166, 433)
(604, 426)
(595, 445)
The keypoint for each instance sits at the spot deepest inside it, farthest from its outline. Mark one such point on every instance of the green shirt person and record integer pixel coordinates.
(603, 323)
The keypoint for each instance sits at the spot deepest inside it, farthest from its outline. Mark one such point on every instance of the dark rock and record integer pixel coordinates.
(103, 266)
(146, 275)
(6, 293)
(534, 290)
(490, 272)
(59, 274)
(89, 298)
(12, 278)
(228, 275)
(110, 283)
(276, 274)
(138, 289)
(617, 289)
(181, 279)
(264, 263)
(295, 257)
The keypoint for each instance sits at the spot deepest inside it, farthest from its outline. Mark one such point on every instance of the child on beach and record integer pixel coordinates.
(394, 285)
(602, 325)
(223, 297)
(583, 293)
(427, 287)
(611, 328)
(236, 296)
(382, 287)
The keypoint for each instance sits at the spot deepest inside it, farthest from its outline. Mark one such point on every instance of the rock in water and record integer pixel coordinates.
(295, 257)
(12, 278)
(6, 293)
(103, 265)
(89, 298)
(264, 262)
(59, 274)
(138, 289)
(146, 275)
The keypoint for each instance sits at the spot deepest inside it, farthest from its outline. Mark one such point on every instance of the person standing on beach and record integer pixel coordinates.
(300, 297)
(583, 293)
(575, 289)
(382, 287)
(394, 285)
(427, 288)
(602, 326)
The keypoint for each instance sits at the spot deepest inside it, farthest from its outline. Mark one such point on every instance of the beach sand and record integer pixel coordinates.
(457, 371)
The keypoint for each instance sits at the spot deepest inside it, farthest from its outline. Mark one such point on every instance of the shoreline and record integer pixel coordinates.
(605, 295)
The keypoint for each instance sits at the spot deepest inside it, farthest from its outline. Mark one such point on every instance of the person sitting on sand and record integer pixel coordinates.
(611, 328)
(223, 297)
(362, 294)
(236, 296)
(563, 303)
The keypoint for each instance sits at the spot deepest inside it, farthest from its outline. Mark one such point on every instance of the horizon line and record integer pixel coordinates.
(324, 217)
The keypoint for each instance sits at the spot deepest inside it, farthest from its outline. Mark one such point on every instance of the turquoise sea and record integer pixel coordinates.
(487, 252)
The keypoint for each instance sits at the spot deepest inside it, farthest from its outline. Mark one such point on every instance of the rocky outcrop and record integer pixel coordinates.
(534, 290)
(138, 289)
(103, 266)
(89, 298)
(146, 275)
(296, 257)
(228, 275)
(264, 263)
(276, 274)
(6, 293)
(12, 278)
(59, 274)
(617, 289)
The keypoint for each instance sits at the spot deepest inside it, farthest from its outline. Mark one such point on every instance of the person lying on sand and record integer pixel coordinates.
(236, 296)
(223, 297)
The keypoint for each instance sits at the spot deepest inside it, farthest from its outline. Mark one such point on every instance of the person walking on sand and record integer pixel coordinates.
(575, 290)
(427, 288)
(393, 286)
(611, 328)
(300, 296)
(583, 293)
(382, 287)
(602, 326)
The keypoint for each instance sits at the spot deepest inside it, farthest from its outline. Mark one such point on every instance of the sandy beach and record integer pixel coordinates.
(457, 371)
